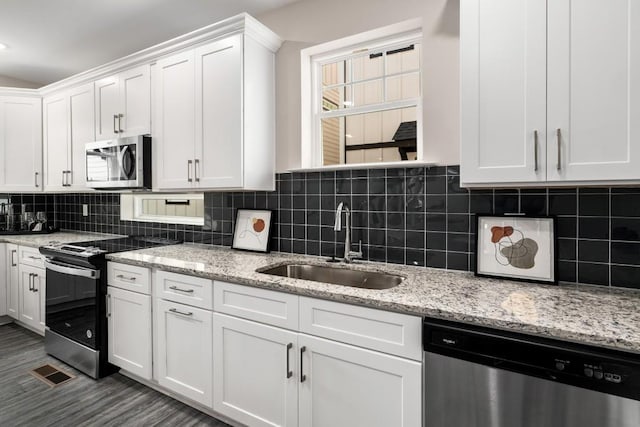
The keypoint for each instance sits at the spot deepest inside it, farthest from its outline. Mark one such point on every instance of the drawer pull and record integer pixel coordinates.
(289, 371)
(121, 277)
(175, 310)
(175, 288)
(35, 257)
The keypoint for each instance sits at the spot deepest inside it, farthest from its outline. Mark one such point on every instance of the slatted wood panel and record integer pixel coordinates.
(115, 400)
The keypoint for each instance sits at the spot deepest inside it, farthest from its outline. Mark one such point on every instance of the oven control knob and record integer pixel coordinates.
(597, 374)
(588, 372)
(89, 333)
(560, 366)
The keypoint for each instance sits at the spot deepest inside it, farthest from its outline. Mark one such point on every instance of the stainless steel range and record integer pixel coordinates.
(75, 309)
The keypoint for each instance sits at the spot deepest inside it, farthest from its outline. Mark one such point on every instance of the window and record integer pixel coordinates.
(362, 102)
(165, 208)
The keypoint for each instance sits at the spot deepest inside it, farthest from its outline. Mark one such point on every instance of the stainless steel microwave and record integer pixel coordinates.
(122, 163)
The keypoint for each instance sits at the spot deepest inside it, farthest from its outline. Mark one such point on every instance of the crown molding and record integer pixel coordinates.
(236, 24)
(15, 91)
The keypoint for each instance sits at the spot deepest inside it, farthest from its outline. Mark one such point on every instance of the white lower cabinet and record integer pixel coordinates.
(185, 345)
(32, 297)
(255, 372)
(129, 319)
(13, 281)
(343, 385)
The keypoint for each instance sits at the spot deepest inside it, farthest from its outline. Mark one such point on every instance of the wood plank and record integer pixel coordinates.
(111, 401)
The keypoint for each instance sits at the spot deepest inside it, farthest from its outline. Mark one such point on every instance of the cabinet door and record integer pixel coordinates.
(135, 99)
(174, 124)
(13, 281)
(256, 372)
(129, 323)
(219, 144)
(31, 288)
(503, 91)
(4, 285)
(107, 97)
(594, 90)
(185, 340)
(55, 111)
(82, 129)
(20, 144)
(344, 385)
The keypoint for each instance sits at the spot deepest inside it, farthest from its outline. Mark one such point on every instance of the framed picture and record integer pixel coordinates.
(517, 248)
(252, 230)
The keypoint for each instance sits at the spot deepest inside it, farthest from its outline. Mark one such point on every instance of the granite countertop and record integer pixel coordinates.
(587, 314)
(37, 240)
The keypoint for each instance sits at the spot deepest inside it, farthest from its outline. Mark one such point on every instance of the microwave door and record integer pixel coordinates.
(128, 163)
(102, 164)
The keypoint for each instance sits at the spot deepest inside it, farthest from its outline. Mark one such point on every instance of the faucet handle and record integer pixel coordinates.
(356, 254)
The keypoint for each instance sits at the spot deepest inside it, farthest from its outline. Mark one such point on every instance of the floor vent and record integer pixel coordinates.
(51, 375)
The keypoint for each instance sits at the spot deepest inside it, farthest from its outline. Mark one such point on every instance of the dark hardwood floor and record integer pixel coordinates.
(112, 401)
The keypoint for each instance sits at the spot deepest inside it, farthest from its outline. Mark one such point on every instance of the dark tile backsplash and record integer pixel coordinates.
(414, 216)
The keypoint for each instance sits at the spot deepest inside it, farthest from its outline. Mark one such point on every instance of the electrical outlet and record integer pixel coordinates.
(85, 210)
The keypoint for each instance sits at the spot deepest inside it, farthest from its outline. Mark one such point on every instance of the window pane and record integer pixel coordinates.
(404, 61)
(336, 98)
(367, 93)
(404, 86)
(382, 136)
(333, 73)
(365, 67)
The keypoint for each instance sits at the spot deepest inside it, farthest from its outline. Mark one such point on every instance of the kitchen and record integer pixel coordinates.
(240, 336)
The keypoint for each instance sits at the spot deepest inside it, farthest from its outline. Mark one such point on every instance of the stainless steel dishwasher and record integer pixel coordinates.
(481, 377)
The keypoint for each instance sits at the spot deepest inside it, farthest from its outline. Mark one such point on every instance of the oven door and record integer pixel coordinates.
(71, 306)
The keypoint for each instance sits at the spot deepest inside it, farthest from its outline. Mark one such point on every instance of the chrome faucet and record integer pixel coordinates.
(349, 255)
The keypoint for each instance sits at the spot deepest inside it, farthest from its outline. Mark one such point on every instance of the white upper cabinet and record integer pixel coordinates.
(548, 91)
(174, 121)
(68, 125)
(123, 104)
(20, 143)
(593, 90)
(214, 122)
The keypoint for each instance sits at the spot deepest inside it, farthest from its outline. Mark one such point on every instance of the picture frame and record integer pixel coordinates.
(252, 230)
(517, 247)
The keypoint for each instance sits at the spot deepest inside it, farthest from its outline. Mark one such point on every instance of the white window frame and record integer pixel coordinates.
(314, 57)
(131, 208)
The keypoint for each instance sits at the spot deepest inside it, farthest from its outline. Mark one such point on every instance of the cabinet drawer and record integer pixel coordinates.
(129, 277)
(30, 256)
(189, 290)
(262, 305)
(392, 333)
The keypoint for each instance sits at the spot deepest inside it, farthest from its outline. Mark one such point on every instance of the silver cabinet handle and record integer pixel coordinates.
(535, 150)
(559, 139)
(34, 257)
(289, 371)
(189, 163)
(36, 179)
(120, 116)
(175, 310)
(115, 117)
(64, 178)
(30, 282)
(69, 179)
(34, 283)
(175, 288)
(108, 304)
(13, 257)
(303, 377)
(121, 277)
(197, 162)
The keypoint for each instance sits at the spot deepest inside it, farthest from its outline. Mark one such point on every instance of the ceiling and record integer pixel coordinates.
(50, 40)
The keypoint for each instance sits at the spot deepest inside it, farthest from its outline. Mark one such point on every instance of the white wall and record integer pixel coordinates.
(309, 22)
(11, 82)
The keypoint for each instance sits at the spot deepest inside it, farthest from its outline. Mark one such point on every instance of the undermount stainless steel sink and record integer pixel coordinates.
(336, 276)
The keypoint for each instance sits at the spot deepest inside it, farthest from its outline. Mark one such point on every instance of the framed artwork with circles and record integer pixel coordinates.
(516, 247)
(252, 230)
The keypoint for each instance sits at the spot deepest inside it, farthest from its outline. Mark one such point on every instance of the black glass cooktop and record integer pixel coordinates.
(122, 244)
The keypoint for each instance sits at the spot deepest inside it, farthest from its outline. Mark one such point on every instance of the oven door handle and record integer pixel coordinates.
(71, 270)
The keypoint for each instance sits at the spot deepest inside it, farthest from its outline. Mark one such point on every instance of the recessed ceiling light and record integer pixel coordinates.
(3, 46)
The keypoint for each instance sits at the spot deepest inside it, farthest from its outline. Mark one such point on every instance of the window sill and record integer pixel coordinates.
(381, 165)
